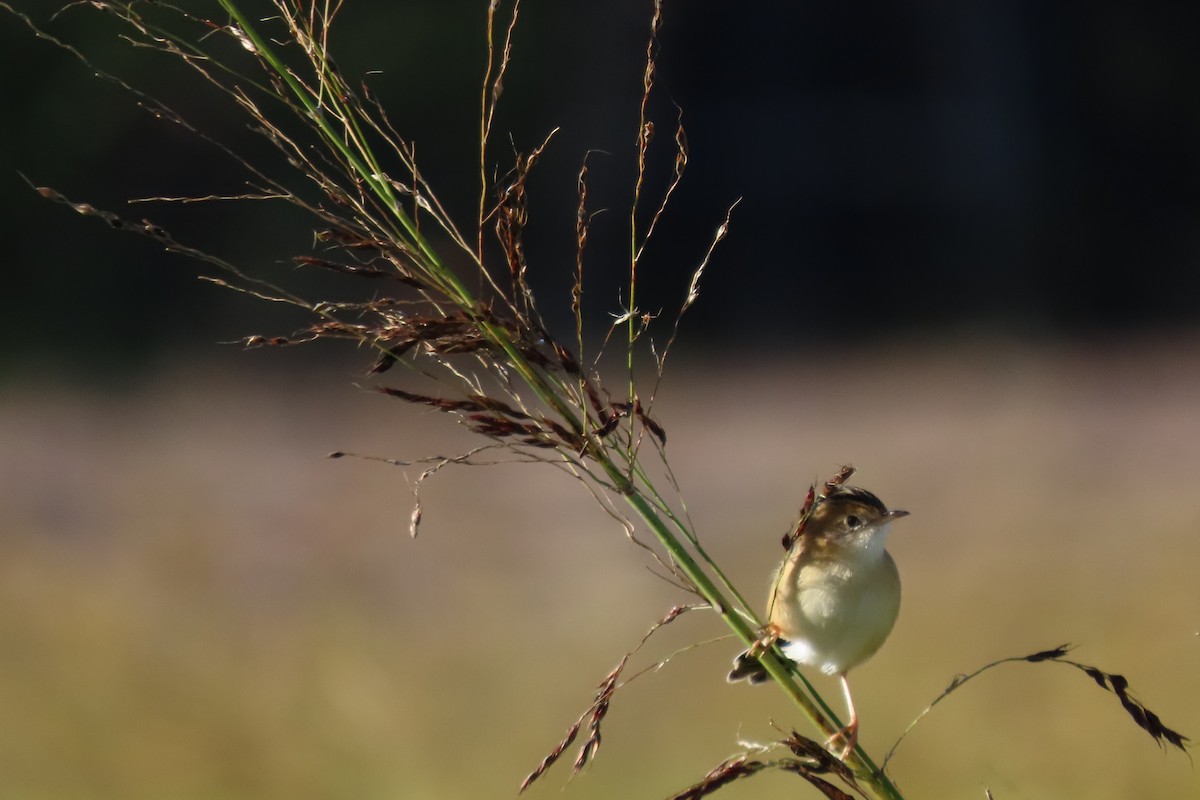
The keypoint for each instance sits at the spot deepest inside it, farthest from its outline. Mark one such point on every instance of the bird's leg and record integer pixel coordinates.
(850, 732)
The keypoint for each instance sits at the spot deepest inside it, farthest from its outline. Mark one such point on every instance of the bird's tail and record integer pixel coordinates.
(747, 668)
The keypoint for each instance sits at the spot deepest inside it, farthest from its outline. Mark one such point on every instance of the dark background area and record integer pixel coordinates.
(1016, 169)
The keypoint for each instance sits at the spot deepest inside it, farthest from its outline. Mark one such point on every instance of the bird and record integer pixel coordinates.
(835, 598)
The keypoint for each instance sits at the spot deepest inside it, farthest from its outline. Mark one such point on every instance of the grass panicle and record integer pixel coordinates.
(596, 712)
(1143, 717)
(809, 760)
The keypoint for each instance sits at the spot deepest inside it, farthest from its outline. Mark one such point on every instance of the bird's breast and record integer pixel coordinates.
(836, 613)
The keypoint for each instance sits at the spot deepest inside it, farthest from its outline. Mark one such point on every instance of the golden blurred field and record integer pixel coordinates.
(197, 604)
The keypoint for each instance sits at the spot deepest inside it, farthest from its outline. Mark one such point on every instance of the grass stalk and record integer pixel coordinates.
(570, 420)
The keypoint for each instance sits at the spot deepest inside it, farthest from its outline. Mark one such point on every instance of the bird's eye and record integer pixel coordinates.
(853, 521)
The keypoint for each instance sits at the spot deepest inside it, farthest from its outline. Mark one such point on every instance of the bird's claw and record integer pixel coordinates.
(768, 635)
(849, 735)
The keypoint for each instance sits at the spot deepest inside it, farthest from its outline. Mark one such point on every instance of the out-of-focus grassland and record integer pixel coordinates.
(196, 604)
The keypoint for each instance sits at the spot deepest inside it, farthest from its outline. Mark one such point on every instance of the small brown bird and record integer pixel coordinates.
(836, 595)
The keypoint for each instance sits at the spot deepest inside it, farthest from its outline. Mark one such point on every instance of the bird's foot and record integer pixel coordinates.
(848, 735)
(747, 666)
(768, 635)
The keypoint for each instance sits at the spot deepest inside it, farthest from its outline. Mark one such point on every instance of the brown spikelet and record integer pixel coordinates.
(811, 762)
(1145, 719)
(724, 773)
(839, 479)
(806, 508)
(618, 411)
(610, 424)
(499, 406)
(820, 784)
(493, 417)
(817, 758)
(348, 238)
(436, 402)
(1099, 677)
(810, 502)
(564, 435)
(599, 707)
(386, 360)
(350, 269)
(594, 398)
(1047, 655)
(582, 222)
(566, 359)
(609, 685)
(655, 429)
(551, 757)
(599, 711)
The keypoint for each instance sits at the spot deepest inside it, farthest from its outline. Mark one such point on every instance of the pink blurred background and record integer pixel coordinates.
(197, 603)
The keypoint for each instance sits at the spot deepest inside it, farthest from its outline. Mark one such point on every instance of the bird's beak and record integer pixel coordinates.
(896, 513)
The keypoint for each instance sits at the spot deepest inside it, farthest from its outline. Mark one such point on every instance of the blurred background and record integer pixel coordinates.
(964, 260)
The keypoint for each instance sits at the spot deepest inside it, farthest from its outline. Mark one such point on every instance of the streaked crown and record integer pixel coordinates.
(846, 510)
